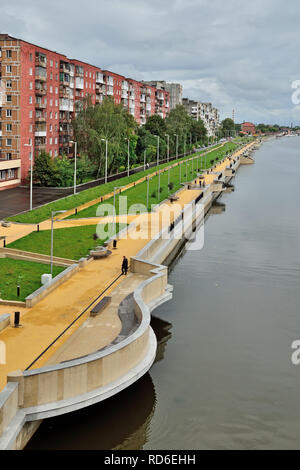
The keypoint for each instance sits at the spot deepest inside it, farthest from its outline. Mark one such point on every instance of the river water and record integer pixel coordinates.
(223, 378)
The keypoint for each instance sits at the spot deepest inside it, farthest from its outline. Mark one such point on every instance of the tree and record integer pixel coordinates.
(227, 127)
(44, 170)
(156, 125)
(95, 124)
(179, 122)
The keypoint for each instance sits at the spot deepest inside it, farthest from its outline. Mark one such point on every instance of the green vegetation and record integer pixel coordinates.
(26, 274)
(71, 202)
(59, 171)
(71, 243)
(138, 194)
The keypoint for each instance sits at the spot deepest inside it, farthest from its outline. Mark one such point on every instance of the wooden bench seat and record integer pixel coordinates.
(100, 306)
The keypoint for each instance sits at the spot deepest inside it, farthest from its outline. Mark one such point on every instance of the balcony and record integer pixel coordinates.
(79, 72)
(124, 95)
(40, 91)
(143, 99)
(41, 61)
(39, 105)
(39, 118)
(65, 68)
(79, 83)
(99, 78)
(40, 133)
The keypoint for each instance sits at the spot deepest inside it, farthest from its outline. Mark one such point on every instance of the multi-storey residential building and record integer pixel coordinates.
(39, 91)
(175, 90)
(204, 111)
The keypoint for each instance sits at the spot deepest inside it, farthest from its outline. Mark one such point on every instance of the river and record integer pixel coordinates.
(223, 378)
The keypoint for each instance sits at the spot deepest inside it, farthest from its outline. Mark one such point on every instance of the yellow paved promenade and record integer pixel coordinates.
(45, 321)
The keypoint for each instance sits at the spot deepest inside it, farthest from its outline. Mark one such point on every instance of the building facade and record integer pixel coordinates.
(204, 111)
(248, 127)
(175, 90)
(39, 89)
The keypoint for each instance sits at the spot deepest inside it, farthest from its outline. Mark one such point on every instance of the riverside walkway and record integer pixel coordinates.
(44, 322)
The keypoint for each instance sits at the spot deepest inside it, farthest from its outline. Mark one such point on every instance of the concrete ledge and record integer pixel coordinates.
(43, 291)
(13, 303)
(4, 321)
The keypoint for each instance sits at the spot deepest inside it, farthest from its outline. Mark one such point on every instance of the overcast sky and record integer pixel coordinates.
(238, 55)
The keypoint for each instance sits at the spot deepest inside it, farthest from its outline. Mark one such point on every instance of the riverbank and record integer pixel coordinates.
(185, 197)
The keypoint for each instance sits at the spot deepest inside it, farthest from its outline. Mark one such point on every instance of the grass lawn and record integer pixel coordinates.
(27, 274)
(43, 213)
(71, 243)
(138, 194)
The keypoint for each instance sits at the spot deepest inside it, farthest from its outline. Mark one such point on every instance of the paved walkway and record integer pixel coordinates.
(44, 322)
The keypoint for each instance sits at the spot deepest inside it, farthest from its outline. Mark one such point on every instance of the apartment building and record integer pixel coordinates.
(39, 92)
(204, 111)
(175, 90)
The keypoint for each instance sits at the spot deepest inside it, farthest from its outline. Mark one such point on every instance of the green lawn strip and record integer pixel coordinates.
(71, 243)
(71, 202)
(138, 194)
(26, 274)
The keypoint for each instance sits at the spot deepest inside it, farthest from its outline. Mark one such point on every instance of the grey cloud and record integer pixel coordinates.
(236, 54)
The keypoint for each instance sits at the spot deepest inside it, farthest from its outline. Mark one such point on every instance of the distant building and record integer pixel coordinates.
(204, 111)
(248, 127)
(175, 90)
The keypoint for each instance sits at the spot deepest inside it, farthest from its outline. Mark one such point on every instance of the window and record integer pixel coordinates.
(50, 115)
(86, 74)
(55, 115)
(10, 174)
(30, 128)
(56, 65)
(50, 141)
(30, 71)
(9, 84)
(51, 89)
(56, 90)
(8, 69)
(8, 127)
(8, 113)
(30, 86)
(2, 175)
(8, 54)
(51, 76)
(56, 103)
(8, 142)
(50, 127)
(51, 102)
(50, 153)
(30, 114)
(55, 140)
(90, 74)
(8, 156)
(30, 141)
(30, 57)
(30, 99)
(9, 98)
(51, 63)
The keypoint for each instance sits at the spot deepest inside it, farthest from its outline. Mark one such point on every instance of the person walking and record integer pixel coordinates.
(125, 266)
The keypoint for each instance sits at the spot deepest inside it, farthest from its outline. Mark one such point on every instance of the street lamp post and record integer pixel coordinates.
(145, 152)
(31, 172)
(128, 158)
(75, 165)
(106, 152)
(176, 135)
(53, 214)
(148, 179)
(168, 157)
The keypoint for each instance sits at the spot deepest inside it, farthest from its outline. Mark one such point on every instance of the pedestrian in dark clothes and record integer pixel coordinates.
(125, 266)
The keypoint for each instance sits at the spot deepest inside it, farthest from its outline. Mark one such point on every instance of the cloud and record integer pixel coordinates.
(241, 56)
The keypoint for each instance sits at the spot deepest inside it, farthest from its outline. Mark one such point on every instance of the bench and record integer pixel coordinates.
(100, 306)
(173, 199)
(98, 254)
